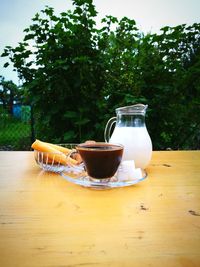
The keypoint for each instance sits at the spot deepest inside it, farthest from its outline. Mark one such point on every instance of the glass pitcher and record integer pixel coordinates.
(130, 130)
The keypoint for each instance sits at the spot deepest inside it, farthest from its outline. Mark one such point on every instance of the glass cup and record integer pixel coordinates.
(101, 160)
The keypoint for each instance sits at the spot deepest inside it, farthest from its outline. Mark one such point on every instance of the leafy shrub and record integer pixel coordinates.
(75, 76)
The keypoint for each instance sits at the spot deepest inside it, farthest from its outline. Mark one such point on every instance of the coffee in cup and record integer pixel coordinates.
(101, 160)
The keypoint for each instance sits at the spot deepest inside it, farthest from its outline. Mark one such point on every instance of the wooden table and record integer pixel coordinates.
(49, 222)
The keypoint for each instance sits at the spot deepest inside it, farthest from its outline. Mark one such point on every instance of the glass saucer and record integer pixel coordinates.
(80, 177)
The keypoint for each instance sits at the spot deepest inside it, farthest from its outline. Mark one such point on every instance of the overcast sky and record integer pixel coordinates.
(150, 16)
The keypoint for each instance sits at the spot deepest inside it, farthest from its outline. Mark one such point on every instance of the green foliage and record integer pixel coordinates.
(75, 75)
(9, 92)
(14, 133)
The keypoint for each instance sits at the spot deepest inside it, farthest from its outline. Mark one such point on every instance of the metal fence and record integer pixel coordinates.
(16, 127)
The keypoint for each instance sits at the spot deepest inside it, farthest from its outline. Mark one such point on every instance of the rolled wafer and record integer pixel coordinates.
(60, 148)
(53, 153)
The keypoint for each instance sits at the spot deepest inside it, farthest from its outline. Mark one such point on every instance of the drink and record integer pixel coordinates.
(101, 159)
(137, 144)
(130, 131)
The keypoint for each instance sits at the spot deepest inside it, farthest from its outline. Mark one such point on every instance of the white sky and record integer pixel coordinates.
(150, 15)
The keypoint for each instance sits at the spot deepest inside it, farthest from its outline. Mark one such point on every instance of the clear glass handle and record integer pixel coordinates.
(108, 127)
(74, 160)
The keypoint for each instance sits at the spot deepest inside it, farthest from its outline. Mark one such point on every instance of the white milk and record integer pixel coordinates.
(137, 144)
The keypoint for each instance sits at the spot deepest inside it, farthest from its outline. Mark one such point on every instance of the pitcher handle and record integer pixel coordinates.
(108, 127)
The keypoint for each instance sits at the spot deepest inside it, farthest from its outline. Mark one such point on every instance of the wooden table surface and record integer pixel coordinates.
(49, 222)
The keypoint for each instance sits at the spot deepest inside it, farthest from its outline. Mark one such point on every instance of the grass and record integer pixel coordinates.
(14, 134)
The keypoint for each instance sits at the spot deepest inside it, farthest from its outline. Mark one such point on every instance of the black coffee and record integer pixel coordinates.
(101, 159)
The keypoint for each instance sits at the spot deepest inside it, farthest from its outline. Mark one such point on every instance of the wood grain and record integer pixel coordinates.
(46, 221)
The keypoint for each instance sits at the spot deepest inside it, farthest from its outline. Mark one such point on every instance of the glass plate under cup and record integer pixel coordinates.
(80, 177)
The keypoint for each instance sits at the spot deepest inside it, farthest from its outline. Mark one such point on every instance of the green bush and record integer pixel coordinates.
(14, 133)
(77, 75)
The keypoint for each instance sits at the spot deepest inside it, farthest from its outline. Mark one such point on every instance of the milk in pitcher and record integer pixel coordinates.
(130, 131)
(137, 144)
